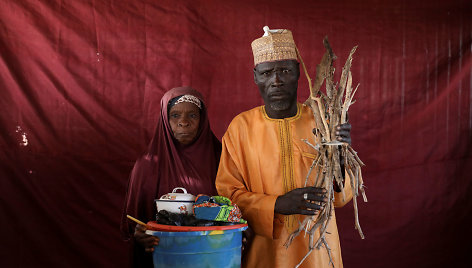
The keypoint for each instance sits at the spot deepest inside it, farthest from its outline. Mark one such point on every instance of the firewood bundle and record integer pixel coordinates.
(329, 110)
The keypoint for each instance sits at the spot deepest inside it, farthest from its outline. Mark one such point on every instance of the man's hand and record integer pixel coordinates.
(145, 240)
(305, 201)
(343, 133)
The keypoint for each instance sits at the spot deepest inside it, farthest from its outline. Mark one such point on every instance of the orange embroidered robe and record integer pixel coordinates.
(263, 158)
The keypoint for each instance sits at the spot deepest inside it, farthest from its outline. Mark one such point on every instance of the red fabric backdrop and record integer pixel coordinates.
(80, 85)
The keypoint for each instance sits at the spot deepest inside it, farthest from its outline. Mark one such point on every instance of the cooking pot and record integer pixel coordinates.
(176, 202)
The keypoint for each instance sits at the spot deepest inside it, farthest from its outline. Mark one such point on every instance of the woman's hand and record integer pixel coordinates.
(145, 240)
(248, 235)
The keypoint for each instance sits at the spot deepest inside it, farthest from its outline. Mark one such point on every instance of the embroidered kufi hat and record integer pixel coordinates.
(274, 45)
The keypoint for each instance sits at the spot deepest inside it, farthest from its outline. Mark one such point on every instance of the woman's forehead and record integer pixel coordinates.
(184, 106)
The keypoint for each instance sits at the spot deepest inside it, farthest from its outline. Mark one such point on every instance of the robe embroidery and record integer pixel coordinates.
(286, 151)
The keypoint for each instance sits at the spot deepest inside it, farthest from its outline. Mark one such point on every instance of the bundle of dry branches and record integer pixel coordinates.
(330, 110)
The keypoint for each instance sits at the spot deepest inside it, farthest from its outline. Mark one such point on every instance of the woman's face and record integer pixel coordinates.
(184, 119)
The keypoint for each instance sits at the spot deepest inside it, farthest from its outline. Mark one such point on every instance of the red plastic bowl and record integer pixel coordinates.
(154, 226)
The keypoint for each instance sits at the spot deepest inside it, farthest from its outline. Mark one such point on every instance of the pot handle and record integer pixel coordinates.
(179, 188)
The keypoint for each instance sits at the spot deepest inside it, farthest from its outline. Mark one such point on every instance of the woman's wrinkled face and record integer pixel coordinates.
(184, 120)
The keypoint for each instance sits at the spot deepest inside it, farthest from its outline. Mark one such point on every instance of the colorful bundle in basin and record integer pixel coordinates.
(217, 208)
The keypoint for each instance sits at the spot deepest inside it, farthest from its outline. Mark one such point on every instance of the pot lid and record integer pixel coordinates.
(174, 196)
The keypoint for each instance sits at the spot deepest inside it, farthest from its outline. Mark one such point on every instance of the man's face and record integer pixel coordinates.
(278, 82)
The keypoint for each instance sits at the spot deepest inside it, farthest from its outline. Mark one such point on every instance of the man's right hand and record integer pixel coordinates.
(305, 201)
(145, 240)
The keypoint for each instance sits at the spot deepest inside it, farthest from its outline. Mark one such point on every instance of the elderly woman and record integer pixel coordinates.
(183, 153)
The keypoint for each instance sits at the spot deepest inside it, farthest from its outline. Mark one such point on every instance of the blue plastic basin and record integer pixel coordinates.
(210, 248)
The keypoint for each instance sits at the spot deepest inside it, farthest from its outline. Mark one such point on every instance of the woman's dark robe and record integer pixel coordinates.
(166, 165)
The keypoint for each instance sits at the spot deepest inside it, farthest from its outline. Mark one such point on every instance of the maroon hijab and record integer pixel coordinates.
(168, 164)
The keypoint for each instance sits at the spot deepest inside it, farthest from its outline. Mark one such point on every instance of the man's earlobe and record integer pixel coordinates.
(254, 71)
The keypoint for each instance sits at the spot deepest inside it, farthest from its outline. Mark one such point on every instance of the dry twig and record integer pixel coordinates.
(329, 110)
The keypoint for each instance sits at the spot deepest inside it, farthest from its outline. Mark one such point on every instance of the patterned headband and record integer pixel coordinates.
(191, 99)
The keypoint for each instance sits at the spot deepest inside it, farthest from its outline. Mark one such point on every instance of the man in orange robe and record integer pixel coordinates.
(264, 163)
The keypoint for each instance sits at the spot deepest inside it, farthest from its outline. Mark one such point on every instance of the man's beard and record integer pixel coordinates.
(280, 105)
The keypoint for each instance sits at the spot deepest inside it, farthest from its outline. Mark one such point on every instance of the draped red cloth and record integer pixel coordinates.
(81, 81)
